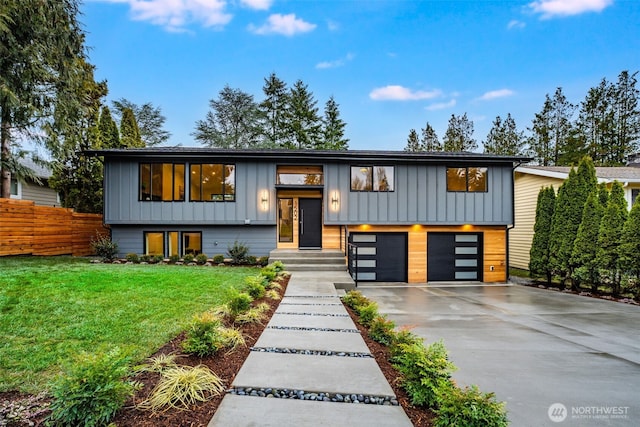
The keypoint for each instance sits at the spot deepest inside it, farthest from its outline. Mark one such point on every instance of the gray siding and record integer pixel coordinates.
(215, 239)
(420, 197)
(123, 207)
(41, 195)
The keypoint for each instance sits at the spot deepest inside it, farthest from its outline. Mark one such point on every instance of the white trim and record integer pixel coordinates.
(563, 175)
(19, 190)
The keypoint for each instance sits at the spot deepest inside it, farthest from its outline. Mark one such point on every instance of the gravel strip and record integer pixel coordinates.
(316, 396)
(312, 314)
(312, 296)
(309, 303)
(302, 328)
(311, 352)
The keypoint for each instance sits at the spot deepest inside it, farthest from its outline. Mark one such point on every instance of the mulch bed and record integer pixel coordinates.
(226, 366)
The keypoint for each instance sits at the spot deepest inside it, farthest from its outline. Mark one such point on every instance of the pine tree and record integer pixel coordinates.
(504, 138)
(610, 233)
(429, 141)
(561, 122)
(583, 258)
(274, 111)
(109, 135)
(333, 128)
(129, 131)
(413, 144)
(595, 122)
(540, 142)
(459, 135)
(626, 138)
(539, 254)
(304, 125)
(629, 250)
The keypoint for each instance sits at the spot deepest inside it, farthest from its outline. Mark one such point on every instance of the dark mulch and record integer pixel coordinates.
(226, 366)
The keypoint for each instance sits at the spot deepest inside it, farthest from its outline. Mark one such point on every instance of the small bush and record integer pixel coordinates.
(381, 330)
(273, 294)
(232, 338)
(174, 258)
(252, 260)
(201, 259)
(263, 261)
(238, 252)
(131, 257)
(182, 386)
(355, 299)
(240, 302)
(470, 407)
(367, 313)
(274, 286)
(218, 259)
(157, 259)
(159, 364)
(91, 391)
(255, 290)
(258, 279)
(203, 336)
(145, 258)
(403, 336)
(188, 258)
(104, 247)
(269, 272)
(277, 265)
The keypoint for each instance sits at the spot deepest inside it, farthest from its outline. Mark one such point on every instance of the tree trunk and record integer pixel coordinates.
(5, 154)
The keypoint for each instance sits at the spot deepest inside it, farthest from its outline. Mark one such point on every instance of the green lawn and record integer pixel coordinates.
(52, 308)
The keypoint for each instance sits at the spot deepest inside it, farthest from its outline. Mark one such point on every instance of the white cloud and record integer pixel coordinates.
(174, 15)
(514, 23)
(336, 63)
(441, 105)
(500, 93)
(553, 8)
(333, 26)
(257, 4)
(400, 93)
(287, 25)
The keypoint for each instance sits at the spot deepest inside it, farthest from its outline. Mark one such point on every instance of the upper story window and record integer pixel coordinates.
(212, 182)
(300, 175)
(468, 179)
(162, 181)
(372, 178)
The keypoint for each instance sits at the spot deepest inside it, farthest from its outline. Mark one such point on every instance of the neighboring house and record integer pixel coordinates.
(528, 182)
(40, 193)
(416, 217)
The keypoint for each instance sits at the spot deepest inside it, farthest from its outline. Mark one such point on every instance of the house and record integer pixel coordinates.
(415, 217)
(38, 192)
(528, 182)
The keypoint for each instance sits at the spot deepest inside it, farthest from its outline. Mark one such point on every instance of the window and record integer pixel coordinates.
(634, 195)
(192, 243)
(285, 220)
(372, 178)
(300, 175)
(213, 182)
(471, 179)
(15, 189)
(154, 243)
(162, 181)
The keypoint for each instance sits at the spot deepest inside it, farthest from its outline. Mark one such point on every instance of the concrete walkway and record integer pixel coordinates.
(310, 367)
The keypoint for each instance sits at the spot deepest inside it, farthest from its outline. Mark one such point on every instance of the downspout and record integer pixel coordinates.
(513, 213)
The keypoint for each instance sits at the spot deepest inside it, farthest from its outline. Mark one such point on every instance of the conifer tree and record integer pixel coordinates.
(429, 140)
(333, 128)
(459, 135)
(129, 131)
(583, 258)
(274, 111)
(539, 254)
(413, 143)
(629, 250)
(304, 124)
(504, 138)
(109, 135)
(610, 233)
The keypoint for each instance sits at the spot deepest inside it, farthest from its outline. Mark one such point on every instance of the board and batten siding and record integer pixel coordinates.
(252, 178)
(527, 188)
(420, 197)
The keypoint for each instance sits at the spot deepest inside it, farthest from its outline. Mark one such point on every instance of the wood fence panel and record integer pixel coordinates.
(26, 229)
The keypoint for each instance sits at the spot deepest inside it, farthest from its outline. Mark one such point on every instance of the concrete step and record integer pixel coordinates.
(315, 267)
(311, 260)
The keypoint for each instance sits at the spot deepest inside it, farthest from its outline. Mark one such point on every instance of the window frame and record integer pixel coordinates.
(372, 178)
(467, 188)
(145, 242)
(175, 190)
(224, 196)
(166, 237)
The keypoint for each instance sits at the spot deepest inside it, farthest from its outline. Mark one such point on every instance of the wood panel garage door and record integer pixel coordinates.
(454, 256)
(382, 257)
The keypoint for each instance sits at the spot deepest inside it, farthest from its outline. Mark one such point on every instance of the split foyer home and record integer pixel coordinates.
(415, 217)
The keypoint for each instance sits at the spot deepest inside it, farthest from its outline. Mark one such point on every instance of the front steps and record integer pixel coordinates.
(328, 263)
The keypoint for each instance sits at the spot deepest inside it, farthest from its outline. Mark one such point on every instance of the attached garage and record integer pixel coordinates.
(382, 257)
(454, 257)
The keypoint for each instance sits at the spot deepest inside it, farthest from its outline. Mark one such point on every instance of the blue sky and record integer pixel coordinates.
(391, 65)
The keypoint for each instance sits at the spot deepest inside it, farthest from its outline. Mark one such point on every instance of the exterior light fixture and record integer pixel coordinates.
(264, 200)
(335, 200)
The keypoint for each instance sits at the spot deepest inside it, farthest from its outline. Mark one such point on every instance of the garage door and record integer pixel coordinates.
(454, 256)
(382, 257)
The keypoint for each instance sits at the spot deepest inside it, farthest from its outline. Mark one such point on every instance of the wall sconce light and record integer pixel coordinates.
(264, 199)
(335, 201)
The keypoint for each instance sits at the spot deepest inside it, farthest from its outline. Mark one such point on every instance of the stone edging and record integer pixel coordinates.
(314, 396)
(310, 352)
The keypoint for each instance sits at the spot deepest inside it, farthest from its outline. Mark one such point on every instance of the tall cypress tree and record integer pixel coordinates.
(109, 135)
(583, 258)
(539, 253)
(629, 250)
(129, 131)
(611, 226)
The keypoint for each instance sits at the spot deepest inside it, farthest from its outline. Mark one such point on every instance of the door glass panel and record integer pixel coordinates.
(470, 275)
(466, 251)
(285, 220)
(466, 237)
(466, 263)
(173, 243)
(367, 263)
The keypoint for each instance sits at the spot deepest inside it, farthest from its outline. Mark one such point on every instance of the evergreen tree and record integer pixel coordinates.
(603, 195)
(413, 143)
(129, 131)
(429, 141)
(629, 250)
(459, 135)
(540, 142)
(333, 128)
(304, 125)
(109, 135)
(504, 138)
(274, 111)
(150, 121)
(626, 114)
(561, 123)
(610, 233)
(583, 258)
(539, 263)
(595, 122)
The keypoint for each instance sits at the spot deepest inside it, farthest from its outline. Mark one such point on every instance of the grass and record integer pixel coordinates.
(52, 308)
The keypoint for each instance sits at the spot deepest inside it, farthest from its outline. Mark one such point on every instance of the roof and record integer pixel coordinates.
(604, 174)
(39, 170)
(306, 155)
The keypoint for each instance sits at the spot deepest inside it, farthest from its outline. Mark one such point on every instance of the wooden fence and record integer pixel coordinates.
(27, 229)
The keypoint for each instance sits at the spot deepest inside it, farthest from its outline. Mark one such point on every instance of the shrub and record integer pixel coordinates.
(188, 258)
(367, 313)
(269, 272)
(131, 257)
(238, 252)
(174, 258)
(145, 258)
(203, 336)
(273, 295)
(381, 330)
(255, 290)
(218, 259)
(252, 260)
(263, 261)
(253, 315)
(239, 303)
(277, 265)
(354, 299)
(231, 338)
(201, 259)
(159, 363)
(91, 390)
(470, 407)
(426, 372)
(157, 259)
(258, 279)
(403, 336)
(104, 247)
(182, 386)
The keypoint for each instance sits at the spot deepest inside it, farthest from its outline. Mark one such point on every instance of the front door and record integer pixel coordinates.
(310, 223)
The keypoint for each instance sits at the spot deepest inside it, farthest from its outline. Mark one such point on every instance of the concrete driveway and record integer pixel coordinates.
(556, 359)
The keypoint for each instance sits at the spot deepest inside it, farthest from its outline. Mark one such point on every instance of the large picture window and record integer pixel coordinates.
(154, 243)
(372, 178)
(467, 179)
(213, 182)
(162, 182)
(172, 243)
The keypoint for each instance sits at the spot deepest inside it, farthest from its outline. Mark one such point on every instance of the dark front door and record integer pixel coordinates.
(310, 223)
